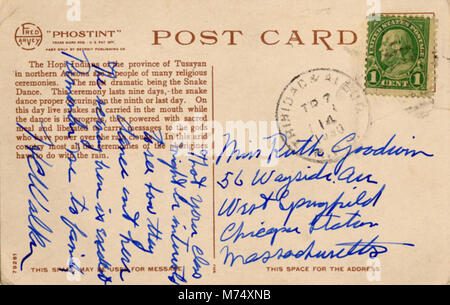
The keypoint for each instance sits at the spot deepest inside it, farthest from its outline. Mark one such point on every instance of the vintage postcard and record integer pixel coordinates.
(224, 142)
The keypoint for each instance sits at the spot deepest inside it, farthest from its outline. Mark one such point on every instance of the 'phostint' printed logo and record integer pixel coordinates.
(28, 36)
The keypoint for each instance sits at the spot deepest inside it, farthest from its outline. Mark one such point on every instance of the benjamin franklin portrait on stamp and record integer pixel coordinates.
(397, 52)
(400, 56)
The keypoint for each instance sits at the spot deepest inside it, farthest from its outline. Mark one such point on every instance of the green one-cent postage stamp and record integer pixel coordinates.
(400, 56)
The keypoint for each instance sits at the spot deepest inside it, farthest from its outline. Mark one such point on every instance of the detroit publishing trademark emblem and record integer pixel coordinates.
(400, 55)
(28, 36)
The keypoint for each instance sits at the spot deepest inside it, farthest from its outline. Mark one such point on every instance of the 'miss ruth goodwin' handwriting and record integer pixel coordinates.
(309, 147)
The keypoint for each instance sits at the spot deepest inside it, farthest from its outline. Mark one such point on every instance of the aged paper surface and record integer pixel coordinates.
(224, 142)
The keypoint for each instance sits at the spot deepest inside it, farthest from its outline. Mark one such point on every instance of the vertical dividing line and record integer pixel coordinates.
(213, 165)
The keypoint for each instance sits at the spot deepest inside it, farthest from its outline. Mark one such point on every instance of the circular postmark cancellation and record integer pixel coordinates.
(400, 56)
(28, 36)
(325, 105)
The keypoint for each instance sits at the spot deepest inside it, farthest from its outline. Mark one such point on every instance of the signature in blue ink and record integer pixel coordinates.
(37, 187)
